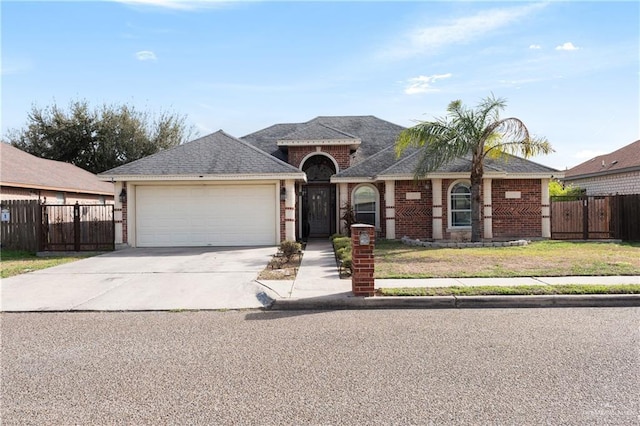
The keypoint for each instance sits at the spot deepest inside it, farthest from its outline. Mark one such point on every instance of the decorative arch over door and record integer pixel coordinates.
(318, 197)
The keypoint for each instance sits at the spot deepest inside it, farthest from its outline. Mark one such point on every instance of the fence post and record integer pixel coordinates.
(76, 227)
(585, 218)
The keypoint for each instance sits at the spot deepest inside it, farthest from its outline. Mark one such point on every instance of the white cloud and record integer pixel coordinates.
(174, 4)
(535, 47)
(458, 31)
(567, 46)
(146, 55)
(423, 83)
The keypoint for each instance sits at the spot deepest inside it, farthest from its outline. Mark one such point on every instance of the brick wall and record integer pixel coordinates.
(621, 183)
(340, 153)
(516, 217)
(413, 216)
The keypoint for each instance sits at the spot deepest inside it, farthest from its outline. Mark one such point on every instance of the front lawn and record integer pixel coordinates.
(16, 262)
(542, 259)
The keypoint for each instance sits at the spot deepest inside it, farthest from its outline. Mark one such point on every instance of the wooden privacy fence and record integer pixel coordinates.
(19, 228)
(28, 225)
(74, 227)
(596, 217)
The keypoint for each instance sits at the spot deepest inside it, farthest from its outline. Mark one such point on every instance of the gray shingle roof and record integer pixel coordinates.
(214, 154)
(316, 131)
(508, 164)
(387, 163)
(374, 133)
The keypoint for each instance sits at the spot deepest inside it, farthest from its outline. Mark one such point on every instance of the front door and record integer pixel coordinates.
(319, 210)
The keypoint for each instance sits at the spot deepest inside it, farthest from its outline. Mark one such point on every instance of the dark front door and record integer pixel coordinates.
(319, 210)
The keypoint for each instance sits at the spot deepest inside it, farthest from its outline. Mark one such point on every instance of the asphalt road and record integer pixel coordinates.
(524, 366)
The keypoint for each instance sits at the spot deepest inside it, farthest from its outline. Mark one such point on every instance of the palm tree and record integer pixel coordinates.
(478, 132)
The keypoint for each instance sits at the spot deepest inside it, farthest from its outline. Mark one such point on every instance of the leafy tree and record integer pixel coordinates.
(98, 139)
(478, 132)
(556, 189)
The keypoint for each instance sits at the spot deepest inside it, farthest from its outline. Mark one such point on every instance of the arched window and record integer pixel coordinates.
(460, 205)
(365, 204)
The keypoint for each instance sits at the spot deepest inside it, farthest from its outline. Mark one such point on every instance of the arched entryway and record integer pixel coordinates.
(318, 213)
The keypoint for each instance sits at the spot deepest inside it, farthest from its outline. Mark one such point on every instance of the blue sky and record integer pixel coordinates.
(569, 70)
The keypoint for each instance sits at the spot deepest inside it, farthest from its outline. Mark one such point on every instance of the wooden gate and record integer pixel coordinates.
(585, 217)
(74, 227)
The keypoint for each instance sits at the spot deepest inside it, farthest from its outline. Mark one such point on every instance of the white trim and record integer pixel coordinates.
(376, 192)
(487, 208)
(436, 202)
(313, 154)
(390, 211)
(322, 142)
(353, 179)
(205, 178)
(489, 175)
(449, 212)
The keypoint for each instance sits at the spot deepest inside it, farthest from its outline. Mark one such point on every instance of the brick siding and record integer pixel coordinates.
(517, 218)
(339, 152)
(413, 217)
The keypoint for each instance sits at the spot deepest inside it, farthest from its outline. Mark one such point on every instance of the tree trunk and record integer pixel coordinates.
(476, 198)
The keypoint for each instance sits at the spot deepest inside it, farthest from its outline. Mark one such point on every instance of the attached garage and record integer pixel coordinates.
(214, 191)
(206, 215)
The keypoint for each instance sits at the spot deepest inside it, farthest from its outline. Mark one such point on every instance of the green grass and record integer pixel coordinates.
(16, 262)
(542, 258)
(515, 290)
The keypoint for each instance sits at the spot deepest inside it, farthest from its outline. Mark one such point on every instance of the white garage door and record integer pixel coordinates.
(205, 215)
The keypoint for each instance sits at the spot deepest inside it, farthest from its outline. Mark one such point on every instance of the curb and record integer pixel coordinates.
(457, 302)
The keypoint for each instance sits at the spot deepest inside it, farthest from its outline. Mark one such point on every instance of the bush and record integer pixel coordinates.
(342, 249)
(341, 242)
(290, 248)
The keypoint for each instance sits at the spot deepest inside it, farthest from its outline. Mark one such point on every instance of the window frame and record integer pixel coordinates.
(451, 210)
(376, 209)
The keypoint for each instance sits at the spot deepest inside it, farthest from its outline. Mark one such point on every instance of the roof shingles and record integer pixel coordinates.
(214, 154)
(21, 169)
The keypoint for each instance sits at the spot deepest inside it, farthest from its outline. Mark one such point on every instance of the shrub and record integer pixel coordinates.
(290, 248)
(341, 242)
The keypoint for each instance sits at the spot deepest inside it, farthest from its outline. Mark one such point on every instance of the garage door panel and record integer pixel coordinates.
(206, 215)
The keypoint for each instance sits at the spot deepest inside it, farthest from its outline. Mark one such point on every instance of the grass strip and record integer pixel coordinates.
(16, 262)
(524, 290)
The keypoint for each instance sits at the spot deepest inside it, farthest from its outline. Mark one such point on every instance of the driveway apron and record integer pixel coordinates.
(144, 279)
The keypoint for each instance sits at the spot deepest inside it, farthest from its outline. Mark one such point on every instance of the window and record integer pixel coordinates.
(365, 200)
(460, 205)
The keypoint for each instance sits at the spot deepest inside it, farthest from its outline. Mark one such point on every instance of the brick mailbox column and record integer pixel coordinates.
(362, 243)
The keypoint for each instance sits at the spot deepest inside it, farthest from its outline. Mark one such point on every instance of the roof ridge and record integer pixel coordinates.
(261, 152)
(339, 131)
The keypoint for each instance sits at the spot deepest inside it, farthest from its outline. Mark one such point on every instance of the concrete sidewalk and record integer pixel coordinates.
(318, 286)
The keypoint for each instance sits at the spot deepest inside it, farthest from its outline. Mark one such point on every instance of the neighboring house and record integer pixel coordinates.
(297, 180)
(615, 173)
(26, 177)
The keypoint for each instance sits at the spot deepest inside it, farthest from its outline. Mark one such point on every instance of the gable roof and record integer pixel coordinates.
(375, 134)
(316, 131)
(23, 170)
(624, 159)
(217, 154)
(387, 164)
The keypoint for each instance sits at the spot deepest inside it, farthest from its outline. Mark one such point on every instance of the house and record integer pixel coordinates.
(298, 180)
(26, 177)
(615, 173)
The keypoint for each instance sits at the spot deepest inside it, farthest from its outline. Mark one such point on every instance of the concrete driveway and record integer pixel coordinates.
(145, 279)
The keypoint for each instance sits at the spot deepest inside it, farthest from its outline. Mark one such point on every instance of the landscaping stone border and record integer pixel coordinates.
(461, 244)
